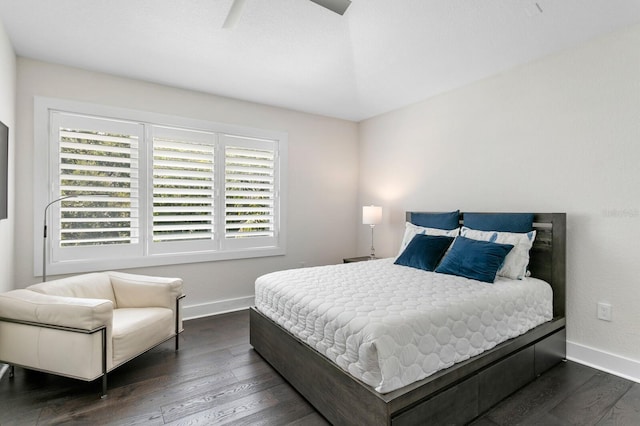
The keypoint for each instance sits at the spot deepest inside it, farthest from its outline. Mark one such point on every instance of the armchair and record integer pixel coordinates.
(87, 325)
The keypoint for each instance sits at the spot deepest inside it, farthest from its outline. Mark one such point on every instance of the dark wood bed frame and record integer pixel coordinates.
(452, 396)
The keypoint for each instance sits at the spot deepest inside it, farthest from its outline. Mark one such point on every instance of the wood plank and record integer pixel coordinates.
(291, 408)
(541, 395)
(231, 411)
(626, 411)
(219, 396)
(592, 400)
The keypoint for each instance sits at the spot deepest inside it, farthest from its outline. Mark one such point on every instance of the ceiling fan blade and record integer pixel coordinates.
(337, 6)
(235, 12)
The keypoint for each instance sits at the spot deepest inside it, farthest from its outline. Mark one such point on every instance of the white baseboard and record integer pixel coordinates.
(610, 363)
(216, 308)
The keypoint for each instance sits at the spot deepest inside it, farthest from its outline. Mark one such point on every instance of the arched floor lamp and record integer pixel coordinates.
(44, 235)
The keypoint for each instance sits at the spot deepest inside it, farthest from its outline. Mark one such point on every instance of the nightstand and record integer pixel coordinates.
(357, 259)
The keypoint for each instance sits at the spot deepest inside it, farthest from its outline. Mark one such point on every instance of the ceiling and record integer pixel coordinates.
(380, 56)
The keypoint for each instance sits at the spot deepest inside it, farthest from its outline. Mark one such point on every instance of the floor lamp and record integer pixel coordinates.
(372, 216)
(44, 237)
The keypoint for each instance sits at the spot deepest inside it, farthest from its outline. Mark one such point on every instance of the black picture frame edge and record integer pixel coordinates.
(4, 171)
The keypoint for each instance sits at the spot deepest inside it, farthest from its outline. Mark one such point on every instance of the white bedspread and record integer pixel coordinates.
(391, 325)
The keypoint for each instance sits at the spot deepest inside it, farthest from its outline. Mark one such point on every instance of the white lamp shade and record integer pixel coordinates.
(371, 215)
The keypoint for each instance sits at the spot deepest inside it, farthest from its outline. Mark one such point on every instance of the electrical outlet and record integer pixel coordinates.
(604, 311)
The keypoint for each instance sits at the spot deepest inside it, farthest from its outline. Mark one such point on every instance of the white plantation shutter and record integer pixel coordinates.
(183, 188)
(98, 165)
(147, 189)
(250, 211)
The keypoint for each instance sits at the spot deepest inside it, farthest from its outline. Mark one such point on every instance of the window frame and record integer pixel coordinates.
(45, 187)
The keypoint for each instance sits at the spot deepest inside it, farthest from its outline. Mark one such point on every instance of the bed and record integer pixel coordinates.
(456, 394)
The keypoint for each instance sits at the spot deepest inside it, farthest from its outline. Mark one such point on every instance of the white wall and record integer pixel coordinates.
(7, 116)
(322, 177)
(560, 134)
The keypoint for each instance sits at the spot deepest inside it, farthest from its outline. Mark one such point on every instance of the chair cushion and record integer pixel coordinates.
(139, 291)
(93, 286)
(135, 330)
(83, 313)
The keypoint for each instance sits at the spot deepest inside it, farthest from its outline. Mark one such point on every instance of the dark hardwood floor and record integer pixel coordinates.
(216, 378)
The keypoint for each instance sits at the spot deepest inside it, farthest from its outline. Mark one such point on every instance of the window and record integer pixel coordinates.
(144, 189)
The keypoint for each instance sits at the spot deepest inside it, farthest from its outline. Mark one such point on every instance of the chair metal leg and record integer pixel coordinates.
(104, 386)
(178, 321)
(11, 371)
(104, 363)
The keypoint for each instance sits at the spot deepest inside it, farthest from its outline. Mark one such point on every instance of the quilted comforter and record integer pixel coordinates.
(391, 325)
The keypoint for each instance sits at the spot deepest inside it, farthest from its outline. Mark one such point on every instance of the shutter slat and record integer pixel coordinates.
(248, 234)
(180, 174)
(183, 218)
(248, 170)
(164, 145)
(96, 209)
(95, 158)
(182, 227)
(95, 169)
(65, 145)
(237, 152)
(159, 165)
(247, 185)
(186, 191)
(92, 230)
(79, 134)
(184, 237)
(96, 241)
(251, 201)
(183, 182)
(85, 178)
(255, 178)
(185, 209)
(99, 189)
(187, 156)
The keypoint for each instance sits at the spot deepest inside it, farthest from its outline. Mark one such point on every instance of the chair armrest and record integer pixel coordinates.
(73, 312)
(140, 291)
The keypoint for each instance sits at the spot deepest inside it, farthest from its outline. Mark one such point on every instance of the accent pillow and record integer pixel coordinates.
(475, 259)
(503, 222)
(516, 262)
(448, 221)
(412, 230)
(424, 252)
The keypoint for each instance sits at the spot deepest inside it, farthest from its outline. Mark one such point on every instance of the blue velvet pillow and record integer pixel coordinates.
(446, 221)
(424, 251)
(504, 222)
(475, 259)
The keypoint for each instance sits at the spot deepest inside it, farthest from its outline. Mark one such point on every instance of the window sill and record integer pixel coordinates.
(89, 265)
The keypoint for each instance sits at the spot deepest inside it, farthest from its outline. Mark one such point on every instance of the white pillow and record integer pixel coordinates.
(516, 262)
(412, 230)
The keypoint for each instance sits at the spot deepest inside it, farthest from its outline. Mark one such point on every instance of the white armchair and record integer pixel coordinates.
(87, 325)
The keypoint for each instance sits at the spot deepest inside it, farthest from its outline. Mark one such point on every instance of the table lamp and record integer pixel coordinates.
(371, 215)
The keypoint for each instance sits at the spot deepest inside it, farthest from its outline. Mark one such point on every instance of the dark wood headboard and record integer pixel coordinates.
(548, 254)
